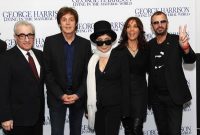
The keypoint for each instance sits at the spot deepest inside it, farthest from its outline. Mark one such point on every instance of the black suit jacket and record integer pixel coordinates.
(21, 95)
(55, 67)
(3, 46)
(175, 78)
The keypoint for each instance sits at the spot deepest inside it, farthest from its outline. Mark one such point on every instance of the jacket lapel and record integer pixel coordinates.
(21, 58)
(60, 51)
(76, 56)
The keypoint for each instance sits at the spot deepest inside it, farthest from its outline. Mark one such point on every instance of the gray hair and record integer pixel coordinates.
(22, 22)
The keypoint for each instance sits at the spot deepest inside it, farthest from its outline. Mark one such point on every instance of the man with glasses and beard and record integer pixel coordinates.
(168, 89)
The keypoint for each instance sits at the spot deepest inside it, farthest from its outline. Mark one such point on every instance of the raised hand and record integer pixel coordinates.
(183, 36)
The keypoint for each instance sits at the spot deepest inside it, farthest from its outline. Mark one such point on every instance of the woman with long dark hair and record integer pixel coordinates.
(133, 44)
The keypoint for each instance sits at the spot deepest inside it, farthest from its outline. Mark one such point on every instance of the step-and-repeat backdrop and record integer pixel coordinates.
(42, 13)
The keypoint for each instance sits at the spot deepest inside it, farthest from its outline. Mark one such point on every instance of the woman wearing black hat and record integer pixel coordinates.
(133, 43)
(107, 83)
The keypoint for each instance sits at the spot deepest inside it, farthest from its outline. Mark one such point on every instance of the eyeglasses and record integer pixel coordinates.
(101, 43)
(23, 36)
(159, 22)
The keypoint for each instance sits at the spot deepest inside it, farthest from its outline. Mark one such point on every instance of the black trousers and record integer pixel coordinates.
(107, 120)
(168, 115)
(58, 114)
(37, 129)
(133, 126)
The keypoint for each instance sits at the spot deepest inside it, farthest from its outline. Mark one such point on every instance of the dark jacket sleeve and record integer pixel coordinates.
(81, 92)
(51, 84)
(190, 57)
(5, 77)
(3, 46)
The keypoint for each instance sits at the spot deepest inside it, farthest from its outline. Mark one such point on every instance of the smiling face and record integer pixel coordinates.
(132, 30)
(159, 24)
(104, 48)
(23, 38)
(68, 24)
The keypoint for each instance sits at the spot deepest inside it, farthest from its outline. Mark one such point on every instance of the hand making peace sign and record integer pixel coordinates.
(183, 37)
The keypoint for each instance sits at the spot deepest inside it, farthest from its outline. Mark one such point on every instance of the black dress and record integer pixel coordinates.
(138, 69)
(112, 87)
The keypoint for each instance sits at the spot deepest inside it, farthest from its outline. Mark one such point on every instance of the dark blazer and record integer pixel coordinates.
(175, 78)
(3, 46)
(21, 94)
(113, 86)
(55, 67)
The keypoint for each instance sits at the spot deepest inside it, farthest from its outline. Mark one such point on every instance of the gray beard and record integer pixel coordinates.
(161, 33)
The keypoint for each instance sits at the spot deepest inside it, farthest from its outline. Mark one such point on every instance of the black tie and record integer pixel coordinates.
(32, 65)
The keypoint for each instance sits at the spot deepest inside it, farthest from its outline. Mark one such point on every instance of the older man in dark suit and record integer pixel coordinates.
(66, 56)
(3, 46)
(21, 87)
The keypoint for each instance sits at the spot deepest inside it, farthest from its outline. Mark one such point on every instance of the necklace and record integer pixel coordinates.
(132, 51)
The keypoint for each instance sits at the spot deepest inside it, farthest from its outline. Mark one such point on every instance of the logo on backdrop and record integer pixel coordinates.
(85, 28)
(77, 3)
(29, 15)
(47, 121)
(187, 107)
(170, 11)
(85, 129)
(10, 43)
(117, 26)
(88, 27)
(187, 130)
(151, 132)
(149, 36)
(39, 42)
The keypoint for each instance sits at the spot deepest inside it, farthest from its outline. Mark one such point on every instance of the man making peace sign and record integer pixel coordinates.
(168, 89)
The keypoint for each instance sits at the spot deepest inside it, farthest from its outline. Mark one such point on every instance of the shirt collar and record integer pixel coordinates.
(23, 51)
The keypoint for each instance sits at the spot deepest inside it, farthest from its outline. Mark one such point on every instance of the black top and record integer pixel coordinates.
(138, 66)
(174, 75)
(112, 85)
(158, 66)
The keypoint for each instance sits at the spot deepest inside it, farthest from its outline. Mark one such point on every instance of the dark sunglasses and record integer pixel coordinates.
(159, 22)
(101, 43)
